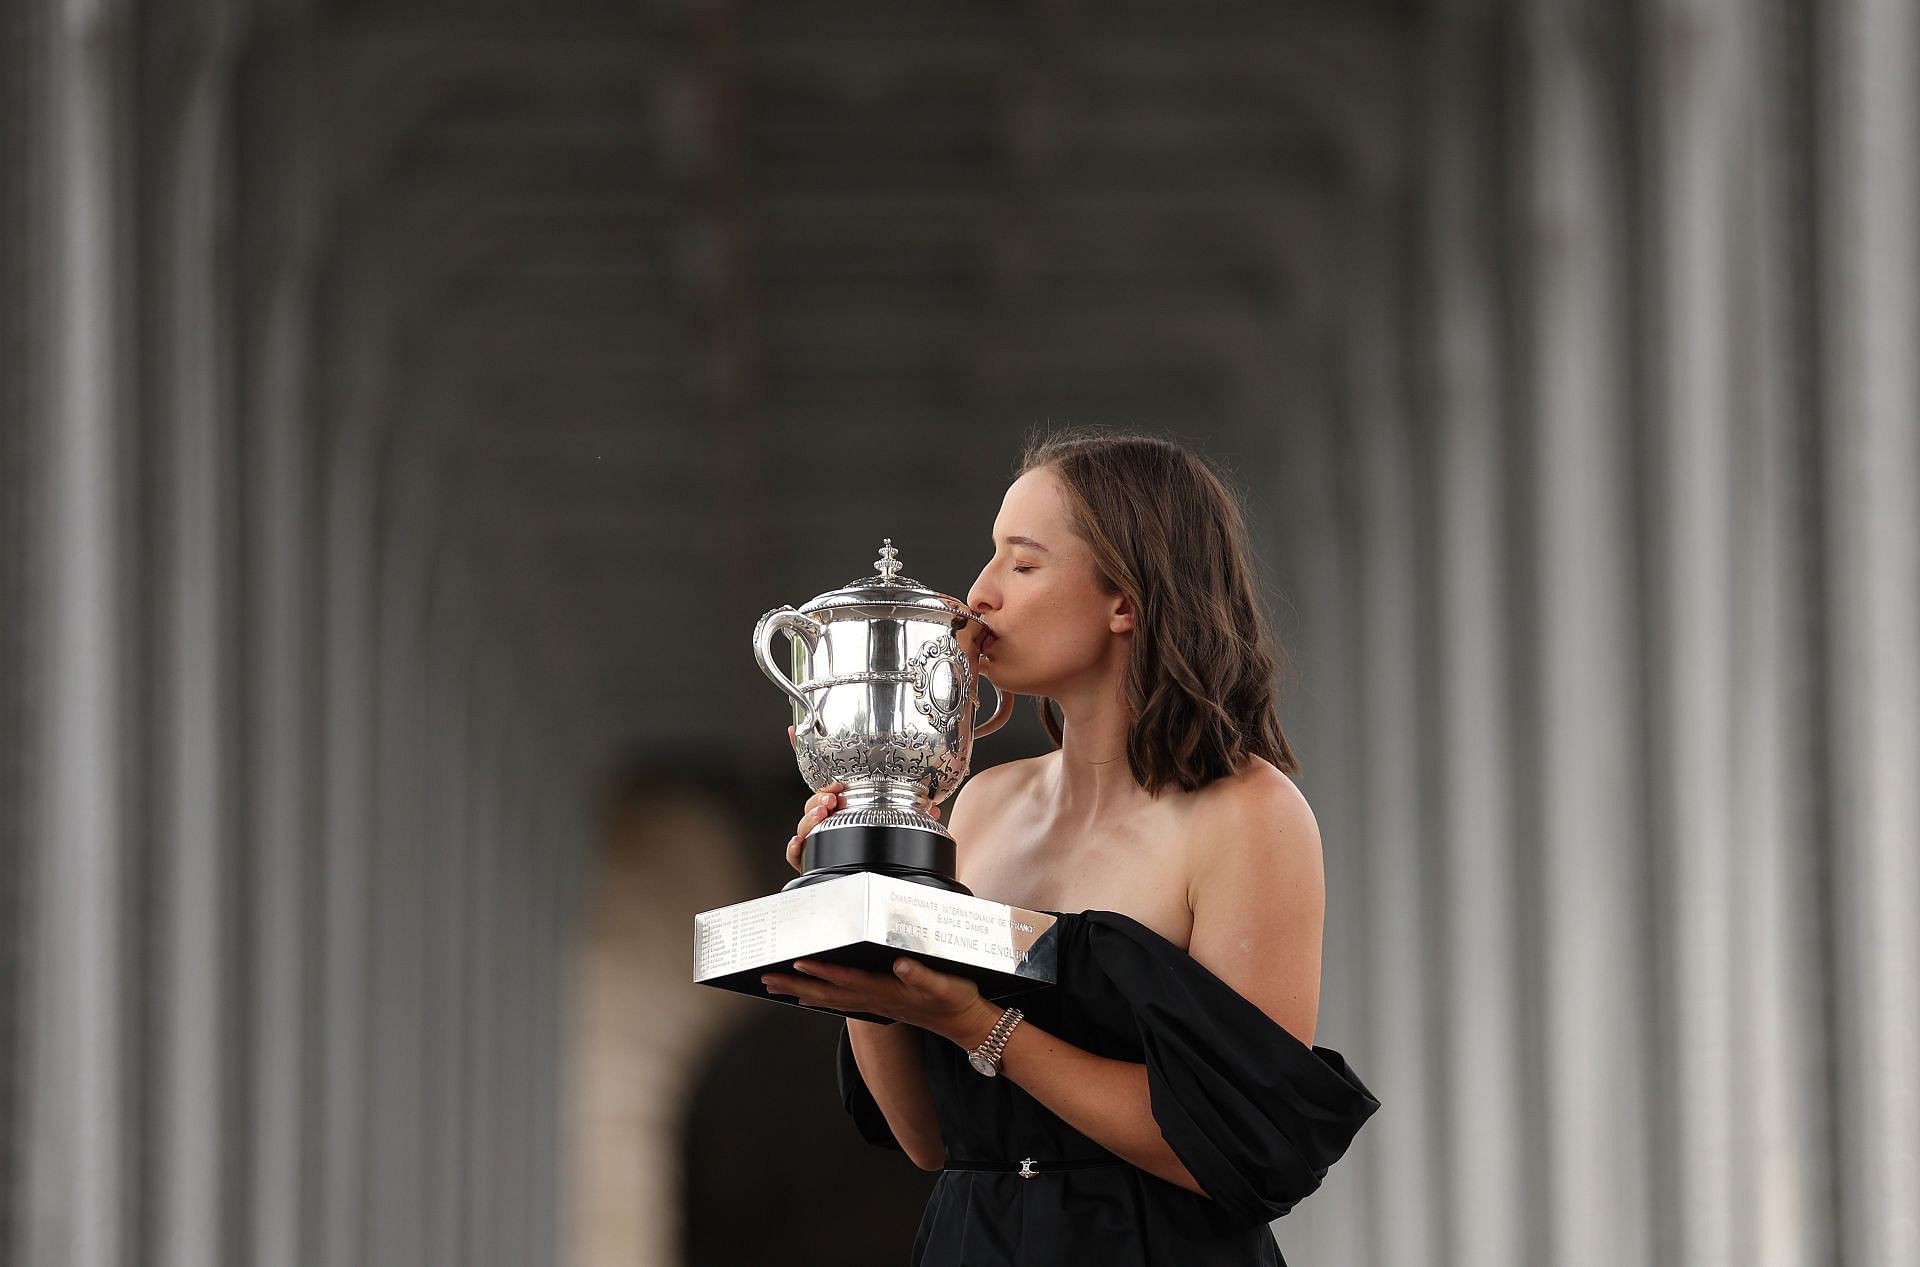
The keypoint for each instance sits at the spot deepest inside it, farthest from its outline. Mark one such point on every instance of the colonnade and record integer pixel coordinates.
(301, 822)
(1592, 405)
(1613, 659)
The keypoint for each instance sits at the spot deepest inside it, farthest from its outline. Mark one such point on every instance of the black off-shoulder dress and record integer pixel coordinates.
(1256, 1116)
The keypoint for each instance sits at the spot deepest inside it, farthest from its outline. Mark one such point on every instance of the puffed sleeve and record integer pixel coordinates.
(858, 1101)
(1255, 1115)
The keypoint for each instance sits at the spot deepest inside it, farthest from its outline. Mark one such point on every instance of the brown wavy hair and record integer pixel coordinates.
(1168, 532)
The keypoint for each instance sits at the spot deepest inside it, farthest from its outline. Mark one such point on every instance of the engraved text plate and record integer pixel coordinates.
(867, 920)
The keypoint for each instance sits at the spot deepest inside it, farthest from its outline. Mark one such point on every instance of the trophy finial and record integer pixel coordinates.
(888, 562)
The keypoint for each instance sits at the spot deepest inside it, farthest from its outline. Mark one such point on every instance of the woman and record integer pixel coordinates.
(1164, 1101)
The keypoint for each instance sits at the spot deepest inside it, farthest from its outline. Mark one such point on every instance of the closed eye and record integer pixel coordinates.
(1023, 568)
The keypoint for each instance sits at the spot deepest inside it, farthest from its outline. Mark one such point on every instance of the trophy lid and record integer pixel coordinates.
(889, 593)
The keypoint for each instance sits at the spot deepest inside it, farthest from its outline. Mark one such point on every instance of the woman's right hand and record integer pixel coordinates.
(819, 805)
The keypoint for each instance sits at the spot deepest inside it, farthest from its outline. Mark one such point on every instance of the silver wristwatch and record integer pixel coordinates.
(985, 1058)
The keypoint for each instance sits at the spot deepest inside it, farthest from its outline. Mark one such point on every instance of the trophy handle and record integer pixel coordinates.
(794, 625)
(1002, 709)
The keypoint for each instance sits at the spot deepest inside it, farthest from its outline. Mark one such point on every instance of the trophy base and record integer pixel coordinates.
(907, 853)
(867, 920)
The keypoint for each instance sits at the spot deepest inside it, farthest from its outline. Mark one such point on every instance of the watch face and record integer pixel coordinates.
(982, 1065)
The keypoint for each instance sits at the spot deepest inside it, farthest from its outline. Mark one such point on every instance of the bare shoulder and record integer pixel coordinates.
(1258, 894)
(1258, 790)
(1256, 828)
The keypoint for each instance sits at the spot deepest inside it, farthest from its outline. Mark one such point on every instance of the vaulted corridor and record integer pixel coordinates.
(406, 408)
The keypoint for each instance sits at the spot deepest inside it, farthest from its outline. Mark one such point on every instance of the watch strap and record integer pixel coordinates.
(994, 1046)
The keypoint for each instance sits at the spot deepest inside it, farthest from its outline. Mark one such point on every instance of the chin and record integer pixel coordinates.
(1004, 681)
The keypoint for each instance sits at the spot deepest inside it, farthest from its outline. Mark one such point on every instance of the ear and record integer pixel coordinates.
(1122, 619)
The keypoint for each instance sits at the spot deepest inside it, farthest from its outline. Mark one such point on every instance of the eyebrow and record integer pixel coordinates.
(1025, 541)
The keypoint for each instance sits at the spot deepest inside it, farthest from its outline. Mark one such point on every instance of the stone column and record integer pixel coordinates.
(1387, 695)
(400, 832)
(1587, 921)
(26, 148)
(337, 1225)
(1481, 1181)
(73, 1023)
(1781, 1159)
(449, 939)
(1868, 176)
(189, 318)
(485, 1227)
(283, 554)
(1687, 52)
(1321, 509)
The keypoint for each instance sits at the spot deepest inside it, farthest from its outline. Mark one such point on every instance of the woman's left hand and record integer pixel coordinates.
(913, 993)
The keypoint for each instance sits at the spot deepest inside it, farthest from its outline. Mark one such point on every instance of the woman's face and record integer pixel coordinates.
(1053, 626)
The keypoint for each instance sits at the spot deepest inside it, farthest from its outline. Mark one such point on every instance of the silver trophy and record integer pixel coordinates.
(883, 676)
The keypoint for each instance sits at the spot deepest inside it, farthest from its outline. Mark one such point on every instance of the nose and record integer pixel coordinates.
(982, 597)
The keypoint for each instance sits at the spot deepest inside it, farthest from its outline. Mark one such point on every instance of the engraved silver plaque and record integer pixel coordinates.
(866, 920)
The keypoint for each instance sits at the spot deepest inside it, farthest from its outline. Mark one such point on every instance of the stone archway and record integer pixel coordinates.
(638, 1026)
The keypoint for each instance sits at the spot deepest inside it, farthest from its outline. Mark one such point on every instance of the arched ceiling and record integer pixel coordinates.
(696, 302)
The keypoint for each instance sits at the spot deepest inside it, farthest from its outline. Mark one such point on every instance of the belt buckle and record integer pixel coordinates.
(1026, 1168)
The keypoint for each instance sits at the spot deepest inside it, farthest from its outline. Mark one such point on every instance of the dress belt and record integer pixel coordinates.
(1028, 1168)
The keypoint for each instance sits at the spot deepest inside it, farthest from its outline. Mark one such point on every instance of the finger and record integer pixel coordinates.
(840, 974)
(781, 987)
(793, 853)
(812, 814)
(790, 739)
(819, 805)
(929, 981)
(783, 982)
(810, 820)
(935, 811)
(813, 992)
(917, 978)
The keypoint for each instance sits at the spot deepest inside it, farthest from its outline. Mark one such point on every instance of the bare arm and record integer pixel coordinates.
(1105, 1100)
(893, 1063)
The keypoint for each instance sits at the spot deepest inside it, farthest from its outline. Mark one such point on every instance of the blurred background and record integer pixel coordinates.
(407, 407)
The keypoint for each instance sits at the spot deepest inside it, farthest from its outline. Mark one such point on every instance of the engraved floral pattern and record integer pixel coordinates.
(921, 758)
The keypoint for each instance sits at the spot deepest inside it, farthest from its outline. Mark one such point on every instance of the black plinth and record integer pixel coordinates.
(907, 853)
